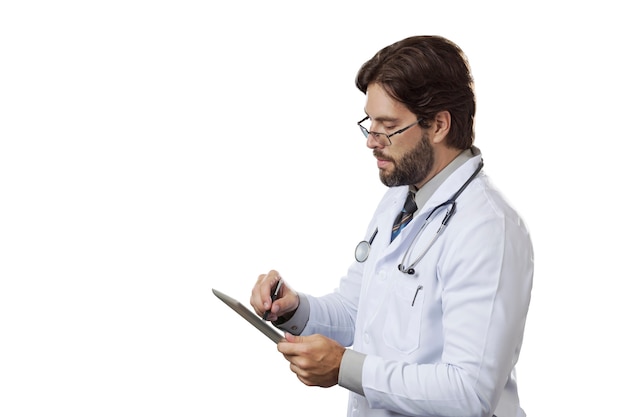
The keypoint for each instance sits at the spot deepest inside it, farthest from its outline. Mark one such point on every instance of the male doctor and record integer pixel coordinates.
(435, 304)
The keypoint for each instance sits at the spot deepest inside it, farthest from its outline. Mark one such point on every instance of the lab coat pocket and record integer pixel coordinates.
(404, 315)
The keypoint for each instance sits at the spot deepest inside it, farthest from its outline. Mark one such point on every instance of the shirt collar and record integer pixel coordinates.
(423, 194)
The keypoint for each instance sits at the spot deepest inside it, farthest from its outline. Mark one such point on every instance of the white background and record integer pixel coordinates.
(153, 150)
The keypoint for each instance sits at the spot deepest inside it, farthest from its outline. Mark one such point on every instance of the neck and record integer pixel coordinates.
(442, 159)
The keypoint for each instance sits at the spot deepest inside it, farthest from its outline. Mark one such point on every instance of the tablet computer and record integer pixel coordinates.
(250, 316)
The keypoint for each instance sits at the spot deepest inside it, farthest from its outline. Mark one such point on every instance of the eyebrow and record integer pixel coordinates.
(383, 119)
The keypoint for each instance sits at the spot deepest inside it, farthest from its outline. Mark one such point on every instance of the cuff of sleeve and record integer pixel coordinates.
(351, 371)
(295, 324)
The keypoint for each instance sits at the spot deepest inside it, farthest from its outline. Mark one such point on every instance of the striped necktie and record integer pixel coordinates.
(405, 216)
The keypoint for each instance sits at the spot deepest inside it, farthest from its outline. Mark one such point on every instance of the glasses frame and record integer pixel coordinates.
(377, 135)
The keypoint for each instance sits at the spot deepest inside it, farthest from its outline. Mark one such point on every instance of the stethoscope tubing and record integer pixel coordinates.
(449, 213)
(362, 250)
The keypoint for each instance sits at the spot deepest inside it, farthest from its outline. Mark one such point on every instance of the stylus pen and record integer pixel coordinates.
(274, 295)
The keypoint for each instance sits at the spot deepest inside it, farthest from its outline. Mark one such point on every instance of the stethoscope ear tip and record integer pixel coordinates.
(409, 271)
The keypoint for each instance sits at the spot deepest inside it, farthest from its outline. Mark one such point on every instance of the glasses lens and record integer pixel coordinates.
(364, 131)
(381, 138)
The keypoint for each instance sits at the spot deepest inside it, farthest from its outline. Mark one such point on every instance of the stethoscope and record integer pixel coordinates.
(362, 250)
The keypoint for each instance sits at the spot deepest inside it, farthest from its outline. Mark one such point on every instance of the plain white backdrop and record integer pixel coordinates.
(151, 151)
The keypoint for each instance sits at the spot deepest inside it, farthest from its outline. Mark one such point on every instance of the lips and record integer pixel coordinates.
(381, 161)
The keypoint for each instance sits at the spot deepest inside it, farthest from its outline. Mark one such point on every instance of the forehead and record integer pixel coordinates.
(380, 105)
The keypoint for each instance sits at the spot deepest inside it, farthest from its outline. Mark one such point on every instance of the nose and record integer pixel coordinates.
(373, 143)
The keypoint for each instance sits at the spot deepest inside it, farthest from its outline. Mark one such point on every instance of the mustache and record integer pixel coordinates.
(378, 154)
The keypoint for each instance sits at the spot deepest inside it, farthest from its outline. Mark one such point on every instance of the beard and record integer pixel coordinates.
(410, 169)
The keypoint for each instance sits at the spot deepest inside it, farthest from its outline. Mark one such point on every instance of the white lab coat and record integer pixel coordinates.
(451, 349)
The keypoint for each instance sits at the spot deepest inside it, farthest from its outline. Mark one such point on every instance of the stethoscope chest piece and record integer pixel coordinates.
(362, 250)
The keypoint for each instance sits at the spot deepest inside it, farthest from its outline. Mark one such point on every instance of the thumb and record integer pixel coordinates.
(293, 338)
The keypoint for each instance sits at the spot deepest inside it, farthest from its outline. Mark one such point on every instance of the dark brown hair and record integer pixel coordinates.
(428, 74)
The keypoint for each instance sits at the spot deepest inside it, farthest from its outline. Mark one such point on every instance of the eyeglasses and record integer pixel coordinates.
(378, 137)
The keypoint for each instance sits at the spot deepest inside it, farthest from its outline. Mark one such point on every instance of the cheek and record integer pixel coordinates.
(401, 151)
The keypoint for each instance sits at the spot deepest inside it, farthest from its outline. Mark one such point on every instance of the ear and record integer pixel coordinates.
(441, 126)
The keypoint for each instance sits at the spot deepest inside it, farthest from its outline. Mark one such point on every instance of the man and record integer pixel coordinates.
(435, 316)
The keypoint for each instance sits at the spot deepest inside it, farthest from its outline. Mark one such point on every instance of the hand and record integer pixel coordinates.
(287, 301)
(314, 359)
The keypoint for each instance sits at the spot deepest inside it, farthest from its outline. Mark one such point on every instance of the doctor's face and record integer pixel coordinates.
(410, 157)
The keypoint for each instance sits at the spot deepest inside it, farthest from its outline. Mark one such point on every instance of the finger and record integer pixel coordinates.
(260, 297)
(291, 338)
(290, 347)
(256, 298)
(267, 286)
(302, 375)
